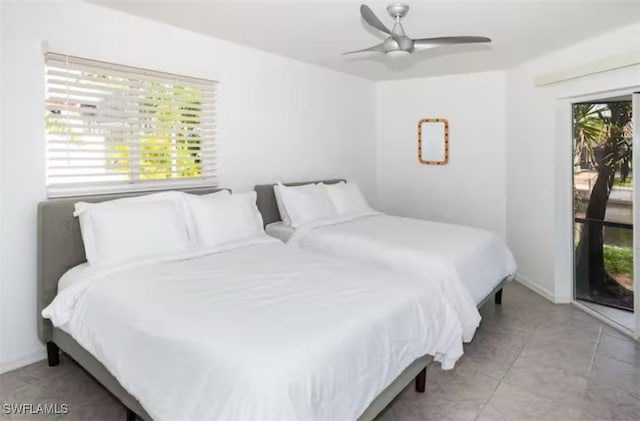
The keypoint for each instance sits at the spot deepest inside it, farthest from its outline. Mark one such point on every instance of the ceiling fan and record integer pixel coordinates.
(398, 43)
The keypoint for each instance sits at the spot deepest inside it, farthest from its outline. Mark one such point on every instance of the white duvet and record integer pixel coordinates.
(468, 263)
(258, 332)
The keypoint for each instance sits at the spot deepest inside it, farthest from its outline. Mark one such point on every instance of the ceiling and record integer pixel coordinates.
(318, 31)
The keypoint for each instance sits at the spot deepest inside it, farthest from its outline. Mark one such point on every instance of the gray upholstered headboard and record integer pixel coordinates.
(60, 245)
(266, 200)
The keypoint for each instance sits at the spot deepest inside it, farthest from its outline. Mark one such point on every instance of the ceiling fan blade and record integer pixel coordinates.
(424, 43)
(378, 47)
(372, 19)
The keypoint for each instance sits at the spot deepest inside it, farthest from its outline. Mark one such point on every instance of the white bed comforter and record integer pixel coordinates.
(467, 262)
(259, 332)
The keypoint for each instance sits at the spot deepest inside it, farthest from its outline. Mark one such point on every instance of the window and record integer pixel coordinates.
(118, 128)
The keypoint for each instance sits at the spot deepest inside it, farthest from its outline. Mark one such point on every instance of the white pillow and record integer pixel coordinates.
(125, 230)
(284, 215)
(219, 219)
(347, 198)
(191, 224)
(305, 205)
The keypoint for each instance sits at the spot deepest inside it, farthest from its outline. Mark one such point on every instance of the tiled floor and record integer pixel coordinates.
(530, 360)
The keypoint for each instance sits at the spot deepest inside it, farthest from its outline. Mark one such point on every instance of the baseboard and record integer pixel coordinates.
(543, 292)
(562, 300)
(21, 362)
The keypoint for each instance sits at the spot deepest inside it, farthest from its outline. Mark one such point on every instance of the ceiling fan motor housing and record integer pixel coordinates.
(401, 43)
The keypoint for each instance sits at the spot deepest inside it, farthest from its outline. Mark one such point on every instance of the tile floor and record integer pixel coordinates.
(530, 360)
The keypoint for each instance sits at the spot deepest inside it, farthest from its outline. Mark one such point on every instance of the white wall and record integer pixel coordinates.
(470, 189)
(539, 156)
(510, 152)
(277, 118)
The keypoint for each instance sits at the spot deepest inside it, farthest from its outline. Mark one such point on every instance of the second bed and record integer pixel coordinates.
(472, 264)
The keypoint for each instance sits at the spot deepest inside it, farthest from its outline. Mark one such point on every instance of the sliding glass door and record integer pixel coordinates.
(603, 180)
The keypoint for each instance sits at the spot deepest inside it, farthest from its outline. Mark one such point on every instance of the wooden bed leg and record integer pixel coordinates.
(499, 297)
(131, 416)
(53, 354)
(421, 380)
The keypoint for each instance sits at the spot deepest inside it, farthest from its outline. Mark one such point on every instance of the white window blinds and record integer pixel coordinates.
(117, 128)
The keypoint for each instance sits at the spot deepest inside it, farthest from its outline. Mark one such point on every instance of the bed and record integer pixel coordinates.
(477, 260)
(356, 297)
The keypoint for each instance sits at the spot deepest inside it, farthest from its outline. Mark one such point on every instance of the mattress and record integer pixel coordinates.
(255, 331)
(469, 262)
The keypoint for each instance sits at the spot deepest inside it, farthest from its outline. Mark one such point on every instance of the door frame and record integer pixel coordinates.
(563, 215)
(636, 215)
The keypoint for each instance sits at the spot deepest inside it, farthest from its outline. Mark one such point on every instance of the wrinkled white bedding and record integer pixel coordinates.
(468, 262)
(260, 332)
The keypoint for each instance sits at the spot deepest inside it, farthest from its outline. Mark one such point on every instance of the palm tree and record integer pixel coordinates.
(602, 133)
(587, 131)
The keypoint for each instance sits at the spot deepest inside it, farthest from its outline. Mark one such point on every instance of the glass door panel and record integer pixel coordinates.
(603, 181)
